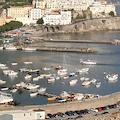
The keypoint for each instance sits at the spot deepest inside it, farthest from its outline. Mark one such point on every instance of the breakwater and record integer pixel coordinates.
(114, 42)
(65, 49)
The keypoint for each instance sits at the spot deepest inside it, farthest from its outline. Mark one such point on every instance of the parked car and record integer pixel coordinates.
(94, 109)
(79, 117)
(104, 113)
(99, 109)
(87, 111)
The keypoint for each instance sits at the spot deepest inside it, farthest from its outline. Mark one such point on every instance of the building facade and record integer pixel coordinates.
(57, 18)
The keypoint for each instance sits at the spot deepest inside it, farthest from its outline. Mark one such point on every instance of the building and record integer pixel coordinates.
(57, 18)
(20, 13)
(3, 17)
(35, 13)
(2, 1)
(22, 115)
(98, 8)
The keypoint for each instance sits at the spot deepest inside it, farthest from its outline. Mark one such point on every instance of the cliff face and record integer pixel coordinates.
(112, 23)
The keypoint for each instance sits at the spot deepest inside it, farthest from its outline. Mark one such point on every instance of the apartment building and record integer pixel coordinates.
(57, 18)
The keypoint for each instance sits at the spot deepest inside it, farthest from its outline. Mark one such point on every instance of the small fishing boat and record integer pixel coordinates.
(59, 68)
(42, 90)
(84, 79)
(73, 82)
(98, 84)
(14, 63)
(51, 80)
(36, 78)
(12, 73)
(112, 77)
(13, 90)
(29, 49)
(53, 99)
(33, 94)
(88, 62)
(27, 63)
(28, 76)
(86, 83)
(4, 89)
(46, 68)
(2, 82)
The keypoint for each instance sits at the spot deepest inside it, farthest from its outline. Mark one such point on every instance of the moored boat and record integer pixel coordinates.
(33, 94)
(112, 77)
(86, 83)
(28, 77)
(98, 84)
(73, 82)
(53, 99)
(88, 62)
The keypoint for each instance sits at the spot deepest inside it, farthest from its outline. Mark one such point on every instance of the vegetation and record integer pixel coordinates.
(40, 21)
(112, 13)
(10, 26)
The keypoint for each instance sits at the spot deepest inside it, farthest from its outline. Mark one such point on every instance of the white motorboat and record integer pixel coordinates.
(62, 72)
(1, 47)
(4, 89)
(33, 94)
(73, 82)
(27, 63)
(6, 72)
(12, 73)
(5, 97)
(86, 83)
(2, 82)
(13, 90)
(42, 90)
(57, 77)
(83, 70)
(29, 49)
(51, 80)
(46, 68)
(98, 84)
(36, 78)
(2, 65)
(84, 79)
(28, 77)
(93, 80)
(10, 47)
(66, 77)
(112, 77)
(48, 75)
(88, 62)
(14, 63)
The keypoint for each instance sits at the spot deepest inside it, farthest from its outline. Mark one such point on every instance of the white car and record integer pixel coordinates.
(94, 109)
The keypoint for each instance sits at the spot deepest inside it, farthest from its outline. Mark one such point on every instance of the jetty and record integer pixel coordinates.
(66, 49)
(114, 42)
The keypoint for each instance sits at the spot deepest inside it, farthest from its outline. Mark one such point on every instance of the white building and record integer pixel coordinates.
(35, 13)
(97, 8)
(22, 115)
(58, 18)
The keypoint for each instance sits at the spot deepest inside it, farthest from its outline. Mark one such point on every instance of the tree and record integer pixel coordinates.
(111, 13)
(40, 21)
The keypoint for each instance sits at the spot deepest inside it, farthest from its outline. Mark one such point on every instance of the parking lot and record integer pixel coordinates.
(77, 114)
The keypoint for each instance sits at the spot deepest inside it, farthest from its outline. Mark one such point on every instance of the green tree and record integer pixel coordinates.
(40, 21)
(112, 13)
